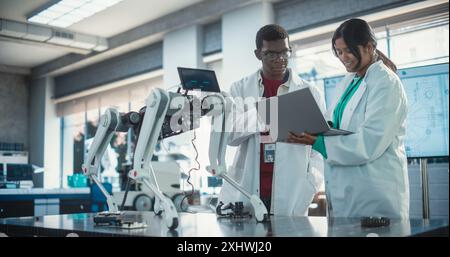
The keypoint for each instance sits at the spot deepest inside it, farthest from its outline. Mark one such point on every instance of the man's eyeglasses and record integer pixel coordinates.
(272, 55)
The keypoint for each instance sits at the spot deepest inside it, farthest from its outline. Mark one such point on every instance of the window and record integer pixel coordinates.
(424, 42)
(420, 45)
(80, 119)
(73, 149)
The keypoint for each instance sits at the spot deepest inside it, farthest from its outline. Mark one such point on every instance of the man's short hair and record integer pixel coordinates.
(270, 32)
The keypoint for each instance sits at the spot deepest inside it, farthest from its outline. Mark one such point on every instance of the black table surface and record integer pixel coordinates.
(209, 225)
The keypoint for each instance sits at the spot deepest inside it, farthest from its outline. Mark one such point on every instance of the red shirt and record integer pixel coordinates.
(266, 169)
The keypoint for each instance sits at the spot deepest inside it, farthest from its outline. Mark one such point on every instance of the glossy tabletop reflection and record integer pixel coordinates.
(209, 225)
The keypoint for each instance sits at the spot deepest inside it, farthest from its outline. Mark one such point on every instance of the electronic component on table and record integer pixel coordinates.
(373, 222)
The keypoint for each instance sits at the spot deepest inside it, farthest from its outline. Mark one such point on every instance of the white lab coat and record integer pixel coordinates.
(298, 171)
(366, 172)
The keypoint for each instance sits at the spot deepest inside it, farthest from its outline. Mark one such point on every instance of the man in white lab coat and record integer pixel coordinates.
(285, 176)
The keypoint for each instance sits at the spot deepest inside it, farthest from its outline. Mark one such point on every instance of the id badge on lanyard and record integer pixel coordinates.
(269, 153)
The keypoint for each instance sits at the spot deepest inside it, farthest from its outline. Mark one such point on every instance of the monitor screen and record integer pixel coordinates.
(2, 174)
(214, 182)
(204, 80)
(426, 88)
(19, 172)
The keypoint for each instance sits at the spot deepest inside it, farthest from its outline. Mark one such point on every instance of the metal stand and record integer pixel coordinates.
(425, 192)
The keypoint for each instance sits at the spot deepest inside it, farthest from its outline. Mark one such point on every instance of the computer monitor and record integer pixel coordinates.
(19, 172)
(204, 80)
(214, 182)
(2, 174)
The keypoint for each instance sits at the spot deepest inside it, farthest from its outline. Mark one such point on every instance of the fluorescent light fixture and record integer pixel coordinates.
(59, 8)
(71, 18)
(50, 14)
(64, 13)
(92, 7)
(81, 13)
(40, 19)
(107, 3)
(73, 3)
(60, 23)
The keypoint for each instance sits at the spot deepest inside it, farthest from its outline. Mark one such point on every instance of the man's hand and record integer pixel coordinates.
(302, 138)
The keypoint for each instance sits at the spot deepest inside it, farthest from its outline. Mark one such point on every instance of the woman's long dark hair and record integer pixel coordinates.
(357, 32)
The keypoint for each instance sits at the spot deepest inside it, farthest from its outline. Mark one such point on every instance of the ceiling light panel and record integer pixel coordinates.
(64, 13)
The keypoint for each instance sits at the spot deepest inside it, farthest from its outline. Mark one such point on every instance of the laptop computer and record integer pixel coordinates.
(204, 80)
(296, 112)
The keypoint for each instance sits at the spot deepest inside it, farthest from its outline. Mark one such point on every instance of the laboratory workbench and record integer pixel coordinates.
(209, 225)
(38, 201)
(32, 193)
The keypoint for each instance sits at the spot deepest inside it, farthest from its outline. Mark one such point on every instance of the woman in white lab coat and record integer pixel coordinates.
(365, 172)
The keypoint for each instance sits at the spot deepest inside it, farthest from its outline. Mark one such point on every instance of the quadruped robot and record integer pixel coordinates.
(165, 114)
